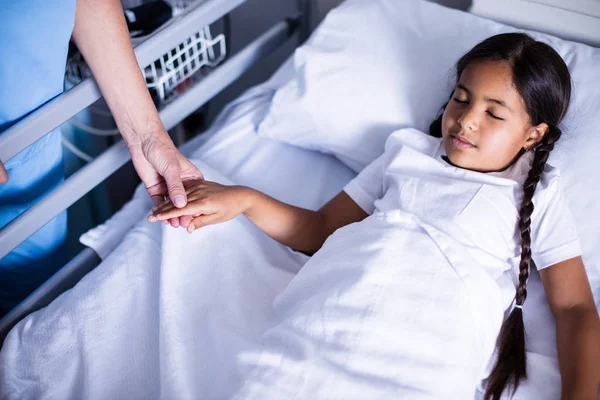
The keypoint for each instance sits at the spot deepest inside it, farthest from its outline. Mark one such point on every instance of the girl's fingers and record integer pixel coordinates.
(190, 209)
(168, 205)
(167, 213)
(202, 220)
(171, 207)
(193, 193)
(170, 211)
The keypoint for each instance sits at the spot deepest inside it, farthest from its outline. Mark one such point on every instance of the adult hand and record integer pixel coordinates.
(3, 174)
(165, 172)
(101, 35)
(209, 203)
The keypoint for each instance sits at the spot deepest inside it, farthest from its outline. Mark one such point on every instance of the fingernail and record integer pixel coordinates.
(191, 228)
(180, 201)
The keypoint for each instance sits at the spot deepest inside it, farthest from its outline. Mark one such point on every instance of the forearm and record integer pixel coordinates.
(101, 35)
(578, 339)
(301, 229)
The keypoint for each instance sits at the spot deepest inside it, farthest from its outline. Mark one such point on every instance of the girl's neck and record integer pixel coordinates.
(521, 152)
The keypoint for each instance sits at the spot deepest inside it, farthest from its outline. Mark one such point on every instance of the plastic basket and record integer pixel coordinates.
(165, 77)
(200, 52)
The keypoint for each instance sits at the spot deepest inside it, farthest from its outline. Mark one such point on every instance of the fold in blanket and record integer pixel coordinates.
(388, 308)
(164, 316)
(384, 310)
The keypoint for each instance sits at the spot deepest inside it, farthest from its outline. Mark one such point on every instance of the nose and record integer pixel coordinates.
(468, 119)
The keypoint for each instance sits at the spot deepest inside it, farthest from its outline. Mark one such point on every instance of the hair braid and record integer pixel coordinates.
(510, 366)
(539, 162)
(543, 81)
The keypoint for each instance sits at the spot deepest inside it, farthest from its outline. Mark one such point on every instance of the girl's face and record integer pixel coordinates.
(485, 125)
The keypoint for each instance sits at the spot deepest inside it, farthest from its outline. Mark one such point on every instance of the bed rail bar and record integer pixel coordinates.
(112, 159)
(62, 280)
(60, 109)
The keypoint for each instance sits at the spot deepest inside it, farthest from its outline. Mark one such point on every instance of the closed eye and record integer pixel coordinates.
(495, 117)
(489, 113)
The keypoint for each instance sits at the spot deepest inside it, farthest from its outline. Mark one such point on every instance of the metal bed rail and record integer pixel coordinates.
(63, 107)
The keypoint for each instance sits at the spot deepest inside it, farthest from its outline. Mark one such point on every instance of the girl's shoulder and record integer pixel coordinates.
(549, 186)
(549, 182)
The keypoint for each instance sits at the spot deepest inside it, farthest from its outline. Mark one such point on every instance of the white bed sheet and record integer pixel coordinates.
(293, 175)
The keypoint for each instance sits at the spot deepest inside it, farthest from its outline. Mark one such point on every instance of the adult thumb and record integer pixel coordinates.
(175, 186)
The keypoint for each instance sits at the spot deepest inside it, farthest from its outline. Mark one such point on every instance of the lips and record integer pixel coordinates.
(461, 143)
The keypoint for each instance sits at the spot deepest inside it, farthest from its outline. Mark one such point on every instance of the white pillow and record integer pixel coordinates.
(374, 66)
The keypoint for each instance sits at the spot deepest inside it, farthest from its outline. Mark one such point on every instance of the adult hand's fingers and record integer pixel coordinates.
(193, 194)
(203, 220)
(158, 200)
(175, 185)
(169, 211)
(166, 161)
(157, 162)
(3, 174)
(185, 221)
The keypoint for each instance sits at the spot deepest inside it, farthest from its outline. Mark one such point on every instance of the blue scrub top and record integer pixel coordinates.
(34, 39)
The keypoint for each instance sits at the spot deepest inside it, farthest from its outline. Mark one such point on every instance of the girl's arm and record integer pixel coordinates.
(577, 328)
(301, 229)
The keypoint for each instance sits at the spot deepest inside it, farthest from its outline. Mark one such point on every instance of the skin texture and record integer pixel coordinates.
(492, 134)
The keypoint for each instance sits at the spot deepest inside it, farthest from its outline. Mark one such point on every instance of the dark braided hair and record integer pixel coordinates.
(542, 79)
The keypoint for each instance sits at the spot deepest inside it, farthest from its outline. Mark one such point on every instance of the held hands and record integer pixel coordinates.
(208, 203)
(165, 172)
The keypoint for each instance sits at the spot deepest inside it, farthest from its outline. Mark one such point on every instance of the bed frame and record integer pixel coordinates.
(577, 20)
(63, 107)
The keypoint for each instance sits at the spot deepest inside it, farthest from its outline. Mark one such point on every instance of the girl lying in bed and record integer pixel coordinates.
(433, 237)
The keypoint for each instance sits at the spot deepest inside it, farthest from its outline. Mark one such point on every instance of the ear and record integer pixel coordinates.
(534, 135)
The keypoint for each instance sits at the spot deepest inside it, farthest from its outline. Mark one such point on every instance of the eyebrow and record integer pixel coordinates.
(487, 99)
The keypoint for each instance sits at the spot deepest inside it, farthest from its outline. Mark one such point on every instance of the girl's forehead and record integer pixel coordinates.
(491, 80)
(488, 75)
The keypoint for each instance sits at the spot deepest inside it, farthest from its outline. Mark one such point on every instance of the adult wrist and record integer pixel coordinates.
(135, 132)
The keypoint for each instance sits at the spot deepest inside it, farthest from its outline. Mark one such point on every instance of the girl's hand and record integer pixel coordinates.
(208, 203)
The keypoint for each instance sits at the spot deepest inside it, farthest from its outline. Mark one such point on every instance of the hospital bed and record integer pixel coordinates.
(229, 151)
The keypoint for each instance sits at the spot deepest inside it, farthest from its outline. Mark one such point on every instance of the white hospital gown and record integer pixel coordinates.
(480, 210)
(408, 302)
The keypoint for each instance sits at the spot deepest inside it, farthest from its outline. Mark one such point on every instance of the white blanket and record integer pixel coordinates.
(164, 316)
(388, 308)
(173, 316)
